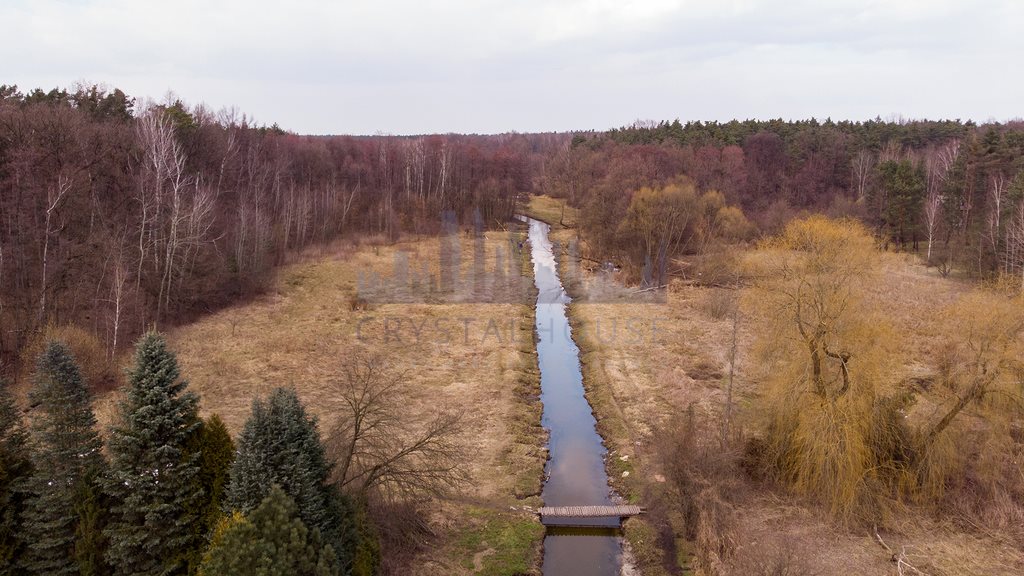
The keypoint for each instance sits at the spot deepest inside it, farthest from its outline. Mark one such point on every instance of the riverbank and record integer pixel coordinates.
(575, 472)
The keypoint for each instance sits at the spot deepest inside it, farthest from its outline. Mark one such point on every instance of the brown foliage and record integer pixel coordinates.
(704, 488)
(99, 372)
(720, 303)
(405, 533)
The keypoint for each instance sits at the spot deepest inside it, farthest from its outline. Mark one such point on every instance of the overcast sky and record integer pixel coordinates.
(485, 66)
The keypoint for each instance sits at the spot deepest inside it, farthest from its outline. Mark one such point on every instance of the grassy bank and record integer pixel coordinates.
(592, 327)
(552, 211)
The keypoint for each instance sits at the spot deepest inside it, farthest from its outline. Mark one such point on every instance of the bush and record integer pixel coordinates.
(719, 303)
(718, 265)
(702, 476)
(98, 371)
(404, 532)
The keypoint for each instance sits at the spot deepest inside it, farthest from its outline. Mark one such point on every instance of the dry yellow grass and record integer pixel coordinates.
(475, 358)
(554, 211)
(636, 387)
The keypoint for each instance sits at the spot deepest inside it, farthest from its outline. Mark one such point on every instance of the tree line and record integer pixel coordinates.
(116, 213)
(952, 190)
(169, 492)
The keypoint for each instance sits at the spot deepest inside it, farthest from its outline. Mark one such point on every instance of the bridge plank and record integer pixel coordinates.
(591, 511)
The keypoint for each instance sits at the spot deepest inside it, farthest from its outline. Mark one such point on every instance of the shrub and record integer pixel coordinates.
(98, 371)
(719, 303)
(701, 474)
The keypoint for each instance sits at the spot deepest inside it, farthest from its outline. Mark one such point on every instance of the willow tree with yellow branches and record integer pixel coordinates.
(970, 431)
(836, 425)
(826, 359)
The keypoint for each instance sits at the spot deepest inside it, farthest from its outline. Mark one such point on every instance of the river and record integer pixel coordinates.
(575, 471)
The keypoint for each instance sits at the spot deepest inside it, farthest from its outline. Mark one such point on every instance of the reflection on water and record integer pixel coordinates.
(598, 531)
(575, 471)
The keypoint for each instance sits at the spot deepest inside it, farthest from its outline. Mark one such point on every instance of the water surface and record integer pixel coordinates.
(575, 471)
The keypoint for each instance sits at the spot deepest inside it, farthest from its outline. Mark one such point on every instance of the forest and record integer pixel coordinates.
(123, 219)
(847, 321)
(120, 215)
(115, 218)
(951, 190)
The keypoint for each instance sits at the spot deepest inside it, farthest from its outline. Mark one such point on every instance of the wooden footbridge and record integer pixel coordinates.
(561, 515)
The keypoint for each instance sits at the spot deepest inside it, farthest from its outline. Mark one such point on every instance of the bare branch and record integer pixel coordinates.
(377, 445)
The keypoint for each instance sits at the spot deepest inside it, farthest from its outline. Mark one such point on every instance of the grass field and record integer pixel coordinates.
(469, 353)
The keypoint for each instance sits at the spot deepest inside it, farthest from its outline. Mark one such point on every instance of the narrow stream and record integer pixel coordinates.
(575, 471)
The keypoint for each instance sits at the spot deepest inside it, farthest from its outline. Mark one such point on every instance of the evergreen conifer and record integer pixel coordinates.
(62, 519)
(280, 445)
(271, 541)
(153, 479)
(15, 468)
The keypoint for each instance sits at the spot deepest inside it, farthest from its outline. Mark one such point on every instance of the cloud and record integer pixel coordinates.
(485, 65)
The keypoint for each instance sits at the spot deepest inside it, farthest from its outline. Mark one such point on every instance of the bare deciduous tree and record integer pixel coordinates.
(987, 348)
(661, 221)
(892, 152)
(863, 165)
(997, 195)
(1014, 254)
(376, 443)
(120, 278)
(938, 162)
(932, 210)
(947, 156)
(176, 208)
(54, 195)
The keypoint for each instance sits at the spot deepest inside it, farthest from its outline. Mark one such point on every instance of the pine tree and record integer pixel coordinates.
(15, 468)
(152, 479)
(271, 541)
(67, 462)
(280, 445)
(216, 451)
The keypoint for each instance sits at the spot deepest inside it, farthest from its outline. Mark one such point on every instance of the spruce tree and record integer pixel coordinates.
(60, 525)
(15, 468)
(152, 479)
(271, 541)
(280, 445)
